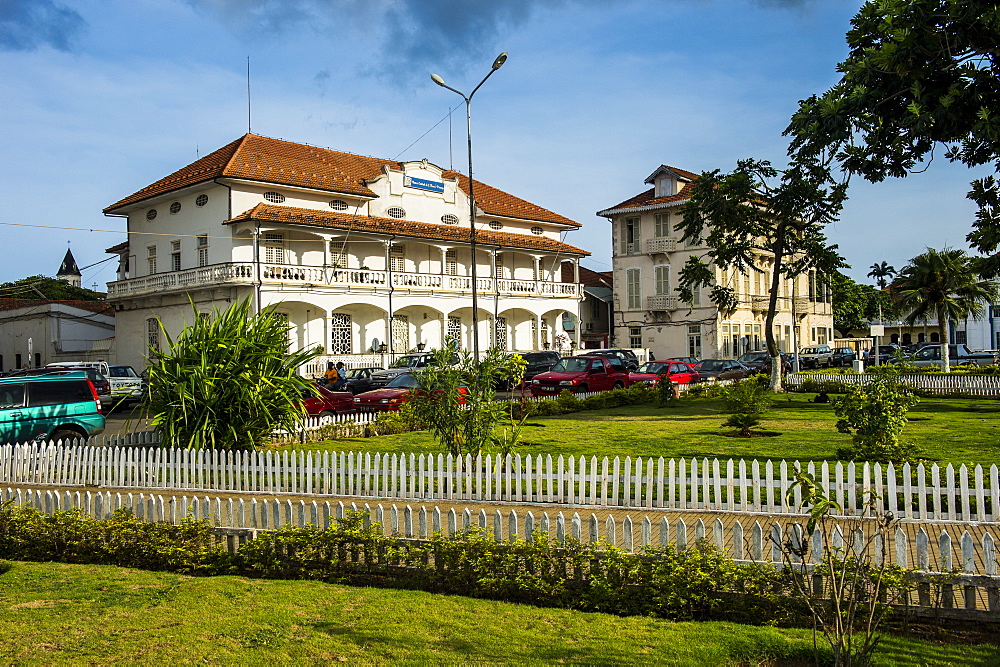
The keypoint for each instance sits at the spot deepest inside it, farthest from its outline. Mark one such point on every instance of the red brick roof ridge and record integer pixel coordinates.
(99, 307)
(336, 220)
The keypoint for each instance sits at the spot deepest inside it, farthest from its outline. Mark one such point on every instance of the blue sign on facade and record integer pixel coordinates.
(424, 184)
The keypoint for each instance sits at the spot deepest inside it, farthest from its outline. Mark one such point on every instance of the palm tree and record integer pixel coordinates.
(881, 272)
(942, 284)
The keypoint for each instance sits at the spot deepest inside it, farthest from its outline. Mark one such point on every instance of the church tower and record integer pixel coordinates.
(69, 271)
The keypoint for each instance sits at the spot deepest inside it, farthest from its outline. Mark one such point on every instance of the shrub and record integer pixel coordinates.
(875, 415)
(810, 386)
(744, 422)
(705, 390)
(403, 420)
(747, 397)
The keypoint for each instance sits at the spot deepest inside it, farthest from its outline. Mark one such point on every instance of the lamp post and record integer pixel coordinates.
(497, 64)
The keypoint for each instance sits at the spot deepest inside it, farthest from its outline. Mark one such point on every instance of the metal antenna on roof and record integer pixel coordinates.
(451, 161)
(248, 94)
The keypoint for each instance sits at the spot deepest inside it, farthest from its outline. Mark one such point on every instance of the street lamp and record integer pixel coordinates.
(497, 64)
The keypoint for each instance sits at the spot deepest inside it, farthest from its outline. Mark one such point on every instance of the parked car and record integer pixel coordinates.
(581, 374)
(844, 356)
(690, 361)
(958, 355)
(759, 361)
(817, 356)
(539, 362)
(393, 395)
(101, 383)
(885, 354)
(404, 364)
(327, 403)
(627, 356)
(60, 406)
(676, 371)
(711, 370)
(359, 380)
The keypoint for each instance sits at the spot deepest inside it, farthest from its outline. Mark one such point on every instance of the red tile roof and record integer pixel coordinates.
(647, 198)
(267, 160)
(101, 307)
(291, 215)
(117, 248)
(588, 278)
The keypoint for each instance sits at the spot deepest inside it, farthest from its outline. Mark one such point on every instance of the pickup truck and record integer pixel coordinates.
(581, 374)
(404, 364)
(958, 355)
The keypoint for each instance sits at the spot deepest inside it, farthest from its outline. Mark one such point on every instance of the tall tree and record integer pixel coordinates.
(881, 273)
(855, 305)
(758, 212)
(43, 287)
(921, 74)
(943, 284)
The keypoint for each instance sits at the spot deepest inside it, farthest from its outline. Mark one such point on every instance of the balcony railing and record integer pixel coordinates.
(662, 302)
(245, 273)
(660, 245)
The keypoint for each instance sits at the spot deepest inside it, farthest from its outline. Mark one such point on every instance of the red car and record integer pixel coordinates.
(678, 372)
(581, 374)
(393, 395)
(328, 403)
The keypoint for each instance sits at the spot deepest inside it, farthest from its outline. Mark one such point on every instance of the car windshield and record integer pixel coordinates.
(571, 365)
(355, 374)
(122, 372)
(535, 358)
(404, 381)
(654, 367)
(406, 362)
(809, 350)
(712, 365)
(750, 357)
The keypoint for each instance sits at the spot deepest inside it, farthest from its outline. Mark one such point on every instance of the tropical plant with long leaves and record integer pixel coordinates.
(943, 285)
(227, 381)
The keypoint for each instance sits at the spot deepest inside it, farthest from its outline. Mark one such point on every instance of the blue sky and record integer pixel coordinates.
(104, 97)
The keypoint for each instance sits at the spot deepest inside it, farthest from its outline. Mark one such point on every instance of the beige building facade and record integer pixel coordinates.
(648, 256)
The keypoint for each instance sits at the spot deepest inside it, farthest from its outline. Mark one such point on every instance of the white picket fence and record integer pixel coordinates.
(974, 385)
(912, 492)
(327, 427)
(943, 547)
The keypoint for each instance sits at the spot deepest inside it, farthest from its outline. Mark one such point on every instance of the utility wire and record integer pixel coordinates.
(450, 110)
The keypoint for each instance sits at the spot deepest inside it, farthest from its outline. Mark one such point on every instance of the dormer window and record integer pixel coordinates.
(665, 187)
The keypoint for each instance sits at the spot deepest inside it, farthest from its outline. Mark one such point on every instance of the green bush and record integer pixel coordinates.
(395, 422)
(875, 415)
(810, 386)
(743, 422)
(705, 390)
(747, 397)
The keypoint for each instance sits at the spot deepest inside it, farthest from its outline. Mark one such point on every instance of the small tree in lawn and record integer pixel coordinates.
(875, 414)
(228, 381)
(466, 422)
(758, 211)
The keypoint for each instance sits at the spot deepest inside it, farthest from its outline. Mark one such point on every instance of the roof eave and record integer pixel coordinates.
(639, 209)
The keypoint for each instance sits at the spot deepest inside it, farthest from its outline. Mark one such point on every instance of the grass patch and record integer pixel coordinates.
(71, 614)
(948, 430)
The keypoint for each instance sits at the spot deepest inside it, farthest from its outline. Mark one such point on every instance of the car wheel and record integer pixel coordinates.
(67, 434)
(583, 388)
(618, 385)
(327, 416)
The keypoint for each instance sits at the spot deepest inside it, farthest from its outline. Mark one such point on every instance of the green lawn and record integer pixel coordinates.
(947, 430)
(54, 613)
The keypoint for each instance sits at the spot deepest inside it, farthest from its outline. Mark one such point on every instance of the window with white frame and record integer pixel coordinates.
(203, 250)
(151, 258)
(696, 296)
(451, 262)
(694, 341)
(397, 259)
(153, 333)
(338, 254)
(274, 247)
(631, 238)
(633, 290)
(724, 349)
(340, 333)
(662, 225)
(635, 337)
(661, 280)
(175, 255)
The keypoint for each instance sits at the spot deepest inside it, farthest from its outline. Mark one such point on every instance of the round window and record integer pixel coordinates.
(537, 231)
(274, 197)
(496, 225)
(449, 219)
(396, 212)
(338, 204)
(151, 214)
(175, 207)
(201, 200)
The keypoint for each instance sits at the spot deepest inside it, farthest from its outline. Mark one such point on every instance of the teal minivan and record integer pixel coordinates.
(49, 407)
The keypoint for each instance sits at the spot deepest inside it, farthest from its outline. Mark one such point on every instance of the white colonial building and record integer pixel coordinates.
(357, 252)
(648, 256)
